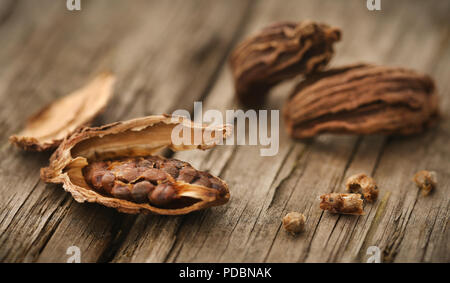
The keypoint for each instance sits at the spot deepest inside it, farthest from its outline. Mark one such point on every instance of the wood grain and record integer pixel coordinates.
(168, 54)
(156, 73)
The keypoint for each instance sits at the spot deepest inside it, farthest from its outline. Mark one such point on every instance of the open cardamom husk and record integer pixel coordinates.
(362, 99)
(46, 129)
(117, 165)
(279, 52)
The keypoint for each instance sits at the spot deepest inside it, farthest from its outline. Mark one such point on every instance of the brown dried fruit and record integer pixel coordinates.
(342, 203)
(46, 129)
(362, 99)
(294, 222)
(141, 191)
(154, 175)
(363, 184)
(163, 194)
(187, 174)
(426, 181)
(121, 191)
(114, 165)
(280, 51)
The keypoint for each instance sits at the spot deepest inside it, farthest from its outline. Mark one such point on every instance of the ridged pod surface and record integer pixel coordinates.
(115, 165)
(278, 52)
(362, 99)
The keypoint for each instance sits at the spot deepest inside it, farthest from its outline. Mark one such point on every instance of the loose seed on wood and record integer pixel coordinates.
(342, 203)
(294, 222)
(426, 181)
(362, 184)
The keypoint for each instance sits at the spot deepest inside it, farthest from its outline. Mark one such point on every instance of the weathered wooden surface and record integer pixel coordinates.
(168, 54)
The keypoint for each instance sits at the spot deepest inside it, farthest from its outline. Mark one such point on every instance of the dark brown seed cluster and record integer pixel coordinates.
(278, 52)
(294, 222)
(154, 180)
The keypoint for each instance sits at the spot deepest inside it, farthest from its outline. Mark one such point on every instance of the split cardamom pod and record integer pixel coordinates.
(46, 129)
(115, 165)
(278, 52)
(362, 99)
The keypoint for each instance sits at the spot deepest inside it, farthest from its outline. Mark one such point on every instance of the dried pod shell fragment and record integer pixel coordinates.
(294, 222)
(46, 129)
(278, 52)
(362, 99)
(363, 184)
(426, 181)
(342, 203)
(115, 165)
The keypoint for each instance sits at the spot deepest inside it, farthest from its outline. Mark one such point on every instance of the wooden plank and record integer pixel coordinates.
(163, 58)
(427, 238)
(350, 237)
(248, 228)
(198, 237)
(417, 228)
(172, 76)
(39, 222)
(19, 171)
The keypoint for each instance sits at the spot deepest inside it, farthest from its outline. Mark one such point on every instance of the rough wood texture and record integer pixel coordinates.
(166, 57)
